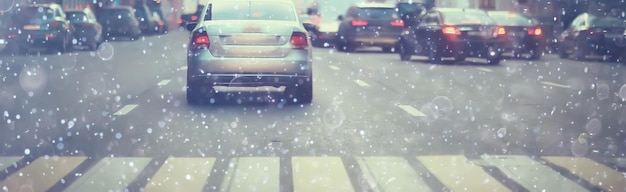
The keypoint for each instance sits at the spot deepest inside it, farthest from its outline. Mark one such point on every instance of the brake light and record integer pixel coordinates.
(53, 24)
(451, 30)
(87, 25)
(200, 41)
(299, 40)
(50, 35)
(500, 31)
(194, 17)
(11, 36)
(359, 23)
(397, 23)
(535, 32)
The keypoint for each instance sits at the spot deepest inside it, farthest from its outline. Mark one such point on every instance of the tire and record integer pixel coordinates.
(433, 53)
(535, 54)
(200, 95)
(93, 45)
(563, 54)
(301, 93)
(387, 49)
(403, 50)
(493, 59)
(580, 50)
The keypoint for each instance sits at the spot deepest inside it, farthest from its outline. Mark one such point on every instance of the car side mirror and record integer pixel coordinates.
(191, 26)
(309, 26)
(340, 18)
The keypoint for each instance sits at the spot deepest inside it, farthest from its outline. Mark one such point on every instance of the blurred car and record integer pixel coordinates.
(119, 21)
(594, 35)
(161, 25)
(454, 32)
(525, 38)
(87, 30)
(39, 25)
(267, 47)
(410, 11)
(4, 26)
(369, 24)
(147, 23)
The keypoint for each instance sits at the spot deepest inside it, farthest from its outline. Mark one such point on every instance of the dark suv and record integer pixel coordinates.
(369, 24)
(39, 25)
(454, 32)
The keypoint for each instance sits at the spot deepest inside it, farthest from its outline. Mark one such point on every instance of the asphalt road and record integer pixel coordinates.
(127, 100)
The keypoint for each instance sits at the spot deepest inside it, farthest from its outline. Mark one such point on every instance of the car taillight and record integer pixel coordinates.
(451, 30)
(535, 32)
(500, 31)
(397, 23)
(299, 40)
(200, 41)
(51, 35)
(194, 17)
(358, 23)
(87, 25)
(11, 36)
(53, 24)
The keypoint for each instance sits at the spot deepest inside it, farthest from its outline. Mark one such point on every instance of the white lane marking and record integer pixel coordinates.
(361, 83)
(556, 84)
(125, 110)
(183, 68)
(391, 174)
(484, 69)
(190, 172)
(318, 58)
(164, 82)
(334, 67)
(411, 110)
(252, 174)
(320, 174)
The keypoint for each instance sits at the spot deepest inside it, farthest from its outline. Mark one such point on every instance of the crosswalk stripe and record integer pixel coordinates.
(597, 174)
(391, 174)
(320, 174)
(5, 162)
(110, 174)
(532, 175)
(252, 174)
(41, 174)
(457, 173)
(181, 174)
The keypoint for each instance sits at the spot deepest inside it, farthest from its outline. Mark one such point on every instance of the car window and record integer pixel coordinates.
(32, 15)
(513, 20)
(77, 17)
(243, 10)
(597, 21)
(376, 13)
(430, 19)
(469, 17)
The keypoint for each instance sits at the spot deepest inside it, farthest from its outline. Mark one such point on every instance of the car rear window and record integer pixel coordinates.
(245, 10)
(76, 17)
(115, 14)
(466, 17)
(407, 8)
(32, 15)
(377, 13)
(513, 20)
(607, 22)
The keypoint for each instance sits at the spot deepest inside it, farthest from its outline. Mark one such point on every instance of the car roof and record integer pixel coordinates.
(375, 5)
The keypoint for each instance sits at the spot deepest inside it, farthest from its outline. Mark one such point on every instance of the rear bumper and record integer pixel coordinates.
(37, 39)
(472, 48)
(386, 38)
(204, 68)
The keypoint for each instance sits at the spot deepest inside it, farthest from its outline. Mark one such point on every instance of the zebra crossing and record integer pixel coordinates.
(309, 173)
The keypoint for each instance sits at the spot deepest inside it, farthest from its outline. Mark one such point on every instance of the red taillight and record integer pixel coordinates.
(500, 31)
(194, 17)
(535, 32)
(451, 30)
(200, 41)
(358, 23)
(11, 36)
(87, 25)
(397, 23)
(50, 35)
(180, 21)
(54, 24)
(299, 40)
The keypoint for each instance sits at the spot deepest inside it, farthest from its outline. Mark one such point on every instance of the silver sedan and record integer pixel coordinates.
(249, 43)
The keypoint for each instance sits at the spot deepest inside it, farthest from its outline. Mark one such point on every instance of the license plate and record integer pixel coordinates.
(478, 33)
(32, 27)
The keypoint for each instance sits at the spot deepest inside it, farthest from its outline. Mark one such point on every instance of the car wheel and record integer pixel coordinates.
(563, 54)
(493, 56)
(580, 49)
(93, 45)
(535, 54)
(301, 93)
(200, 95)
(433, 53)
(387, 49)
(403, 50)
